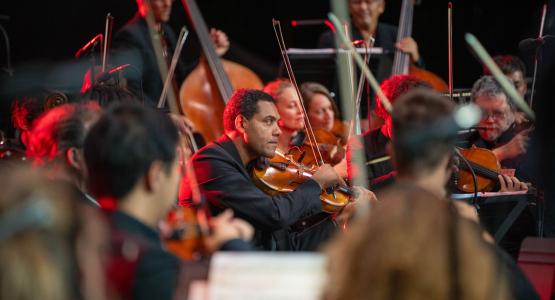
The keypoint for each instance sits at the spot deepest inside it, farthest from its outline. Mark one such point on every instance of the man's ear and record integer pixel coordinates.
(74, 158)
(241, 124)
(153, 177)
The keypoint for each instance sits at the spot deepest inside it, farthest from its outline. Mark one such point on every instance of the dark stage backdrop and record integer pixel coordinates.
(47, 31)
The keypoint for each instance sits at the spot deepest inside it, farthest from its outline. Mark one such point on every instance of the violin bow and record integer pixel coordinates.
(170, 93)
(309, 132)
(107, 38)
(175, 58)
(450, 47)
(360, 62)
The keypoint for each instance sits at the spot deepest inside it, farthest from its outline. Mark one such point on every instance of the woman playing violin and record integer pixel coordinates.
(288, 105)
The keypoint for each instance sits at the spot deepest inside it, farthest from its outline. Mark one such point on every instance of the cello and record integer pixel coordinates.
(401, 61)
(205, 91)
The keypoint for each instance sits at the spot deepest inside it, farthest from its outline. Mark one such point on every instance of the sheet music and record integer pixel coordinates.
(260, 275)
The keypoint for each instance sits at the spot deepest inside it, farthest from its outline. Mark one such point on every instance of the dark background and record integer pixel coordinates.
(51, 31)
(46, 34)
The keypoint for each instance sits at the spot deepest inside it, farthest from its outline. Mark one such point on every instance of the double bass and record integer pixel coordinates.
(205, 91)
(401, 61)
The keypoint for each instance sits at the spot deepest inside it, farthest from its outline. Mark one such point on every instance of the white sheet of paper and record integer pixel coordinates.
(265, 275)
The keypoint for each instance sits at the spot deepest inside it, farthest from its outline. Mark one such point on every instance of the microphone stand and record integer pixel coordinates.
(536, 58)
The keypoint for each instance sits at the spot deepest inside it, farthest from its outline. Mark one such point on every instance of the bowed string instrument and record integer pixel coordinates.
(188, 224)
(283, 173)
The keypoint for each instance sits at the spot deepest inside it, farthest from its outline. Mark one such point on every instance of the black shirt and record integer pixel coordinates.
(378, 164)
(292, 221)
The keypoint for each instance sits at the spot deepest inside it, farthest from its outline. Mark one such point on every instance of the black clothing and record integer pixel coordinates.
(278, 221)
(132, 45)
(385, 38)
(380, 174)
(492, 215)
(155, 272)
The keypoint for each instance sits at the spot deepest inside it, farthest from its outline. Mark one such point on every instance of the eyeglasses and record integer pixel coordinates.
(494, 115)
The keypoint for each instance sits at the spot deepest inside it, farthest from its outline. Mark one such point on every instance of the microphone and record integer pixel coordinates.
(463, 118)
(312, 22)
(88, 45)
(530, 44)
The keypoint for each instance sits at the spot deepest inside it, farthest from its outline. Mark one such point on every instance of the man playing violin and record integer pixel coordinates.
(499, 131)
(132, 44)
(427, 163)
(291, 221)
(134, 166)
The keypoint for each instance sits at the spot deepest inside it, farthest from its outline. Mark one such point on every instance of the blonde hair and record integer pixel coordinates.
(276, 87)
(35, 252)
(414, 246)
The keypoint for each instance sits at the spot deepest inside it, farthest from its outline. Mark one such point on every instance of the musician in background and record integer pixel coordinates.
(426, 163)
(509, 146)
(291, 221)
(379, 167)
(365, 23)
(55, 144)
(291, 117)
(501, 132)
(132, 44)
(515, 70)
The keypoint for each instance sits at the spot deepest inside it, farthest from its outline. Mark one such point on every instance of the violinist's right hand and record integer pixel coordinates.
(515, 147)
(226, 228)
(326, 176)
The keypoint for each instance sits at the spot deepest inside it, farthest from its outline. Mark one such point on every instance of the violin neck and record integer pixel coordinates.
(481, 170)
(401, 61)
(213, 59)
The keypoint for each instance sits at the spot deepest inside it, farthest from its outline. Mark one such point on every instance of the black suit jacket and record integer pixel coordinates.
(132, 45)
(154, 273)
(226, 183)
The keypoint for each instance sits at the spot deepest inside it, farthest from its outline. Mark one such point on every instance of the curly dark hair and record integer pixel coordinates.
(396, 86)
(243, 102)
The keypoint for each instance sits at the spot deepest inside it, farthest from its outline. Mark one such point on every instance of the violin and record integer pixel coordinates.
(189, 224)
(329, 145)
(485, 166)
(283, 174)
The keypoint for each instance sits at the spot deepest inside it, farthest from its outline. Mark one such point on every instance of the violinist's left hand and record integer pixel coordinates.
(409, 46)
(220, 41)
(511, 184)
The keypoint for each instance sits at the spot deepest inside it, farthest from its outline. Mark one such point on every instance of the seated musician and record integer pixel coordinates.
(291, 117)
(134, 167)
(366, 23)
(426, 162)
(55, 143)
(514, 68)
(322, 111)
(379, 167)
(132, 44)
(500, 134)
(224, 174)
